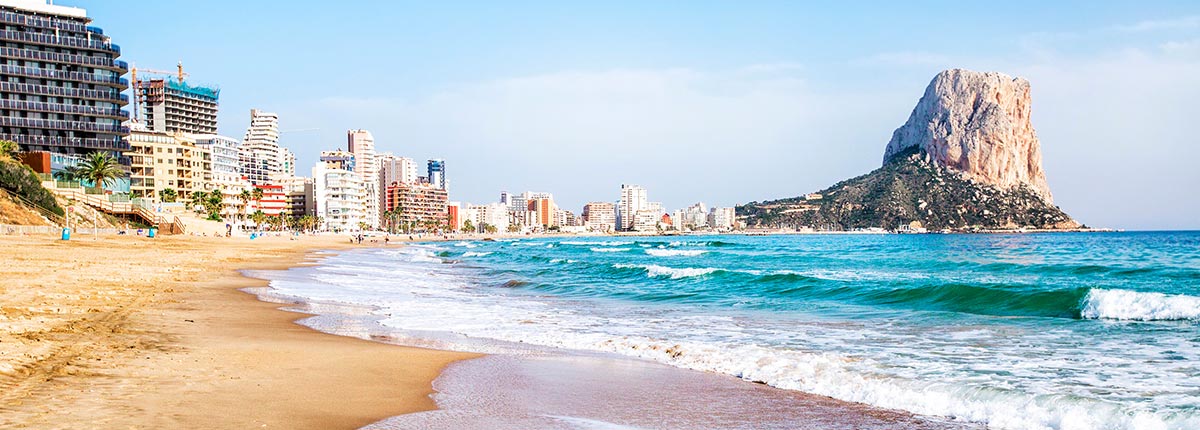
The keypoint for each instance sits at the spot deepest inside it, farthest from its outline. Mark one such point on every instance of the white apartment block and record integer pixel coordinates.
(633, 199)
(722, 218)
(397, 170)
(339, 198)
(260, 156)
(366, 163)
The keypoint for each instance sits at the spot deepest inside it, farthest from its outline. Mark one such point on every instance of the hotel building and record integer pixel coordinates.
(437, 174)
(60, 83)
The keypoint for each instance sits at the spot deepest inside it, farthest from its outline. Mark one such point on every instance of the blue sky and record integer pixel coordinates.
(724, 102)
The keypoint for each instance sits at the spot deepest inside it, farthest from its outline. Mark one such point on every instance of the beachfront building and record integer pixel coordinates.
(167, 165)
(633, 199)
(420, 207)
(723, 219)
(646, 221)
(437, 174)
(225, 174)
(395, 169)
(299, 194)
(456, 216)
(362, 144)
(543, 212)
(694, 217)
(60, 85)
(492, 214)
(274, 200)
(260, 157)
(339, 198)
(172, 105)
(600, 217)
(565, 218)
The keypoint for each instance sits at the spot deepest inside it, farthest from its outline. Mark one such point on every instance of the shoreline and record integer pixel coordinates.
(165, 336)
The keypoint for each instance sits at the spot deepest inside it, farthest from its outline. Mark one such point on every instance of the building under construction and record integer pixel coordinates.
(170, 104)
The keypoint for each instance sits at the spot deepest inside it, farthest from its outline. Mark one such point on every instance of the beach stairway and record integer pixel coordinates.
(117, 205)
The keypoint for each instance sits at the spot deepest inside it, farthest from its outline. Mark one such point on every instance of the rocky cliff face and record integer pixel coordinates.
(966, 160)
(977, 124)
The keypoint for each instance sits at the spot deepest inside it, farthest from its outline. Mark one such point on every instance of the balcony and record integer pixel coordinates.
(76, 142)
(42, 22)
(63, 108)
(63, 76)
(76, 59)
(8, 121)
(52, 40)
(47, 90)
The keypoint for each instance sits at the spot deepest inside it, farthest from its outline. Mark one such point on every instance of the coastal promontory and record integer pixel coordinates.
(967, 158)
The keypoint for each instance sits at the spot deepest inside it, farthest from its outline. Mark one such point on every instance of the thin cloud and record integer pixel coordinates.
(1182, 23)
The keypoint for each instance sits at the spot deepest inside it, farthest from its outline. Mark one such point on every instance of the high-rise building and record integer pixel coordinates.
(362, 144)
(437, 174)
(397, 170)
(338, 196)
(339, 159)
(420, 207)
(300, 193)
(633, 199)
(60, 83)
(544, 210)
(600, 216)
(722, 218)
(224, 152)
(260, 156)
(172, 105)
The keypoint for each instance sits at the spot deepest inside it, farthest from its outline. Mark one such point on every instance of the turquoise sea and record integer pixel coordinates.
(1020, 331)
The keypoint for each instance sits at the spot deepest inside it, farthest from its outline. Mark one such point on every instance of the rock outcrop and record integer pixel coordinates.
(967, 159)
(978, 124)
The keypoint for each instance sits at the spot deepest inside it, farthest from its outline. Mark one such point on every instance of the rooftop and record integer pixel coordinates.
(44, 6)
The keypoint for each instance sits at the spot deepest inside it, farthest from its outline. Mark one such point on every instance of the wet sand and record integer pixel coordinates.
(130, 332)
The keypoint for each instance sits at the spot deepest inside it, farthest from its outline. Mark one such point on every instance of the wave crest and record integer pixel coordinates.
(675, 252)
(1139, 306)
(655, 271)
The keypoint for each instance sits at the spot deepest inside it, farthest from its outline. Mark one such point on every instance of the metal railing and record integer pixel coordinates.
(58, 57)
(75, 142)
(61, 75)
(54, 40)
(9, 121)
(63, 108)
(42, 22)
(111, 95)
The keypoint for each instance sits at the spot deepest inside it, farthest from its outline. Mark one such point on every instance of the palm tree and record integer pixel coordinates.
(362, 226)
(9, 151)
(257, 194)
(258, 217)
(168, 195)
(69, 173)
(101, 169)
(244, 196)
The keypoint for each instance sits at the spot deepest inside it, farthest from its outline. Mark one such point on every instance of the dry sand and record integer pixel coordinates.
(131, 332)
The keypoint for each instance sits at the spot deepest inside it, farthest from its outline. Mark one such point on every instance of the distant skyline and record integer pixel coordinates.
(724, 103)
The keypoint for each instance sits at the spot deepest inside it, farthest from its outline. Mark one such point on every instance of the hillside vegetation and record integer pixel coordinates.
(910, 190)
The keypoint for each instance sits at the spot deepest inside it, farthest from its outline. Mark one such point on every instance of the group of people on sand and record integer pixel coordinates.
(359, 239)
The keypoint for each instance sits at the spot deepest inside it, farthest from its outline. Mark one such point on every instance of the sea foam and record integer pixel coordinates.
(675, 252)
(656, 271)
(1139, 306)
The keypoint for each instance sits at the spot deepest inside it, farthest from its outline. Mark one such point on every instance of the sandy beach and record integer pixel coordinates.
(131, 332)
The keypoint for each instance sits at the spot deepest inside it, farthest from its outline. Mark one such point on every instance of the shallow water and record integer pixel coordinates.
(1040, 331)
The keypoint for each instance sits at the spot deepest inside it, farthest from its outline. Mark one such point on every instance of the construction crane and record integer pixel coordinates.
(133, 69)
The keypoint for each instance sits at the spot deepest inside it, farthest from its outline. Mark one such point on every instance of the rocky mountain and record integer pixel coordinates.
(978, 124)
(967, 158)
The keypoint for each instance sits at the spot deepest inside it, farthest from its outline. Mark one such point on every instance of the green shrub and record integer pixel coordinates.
(21, 180)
